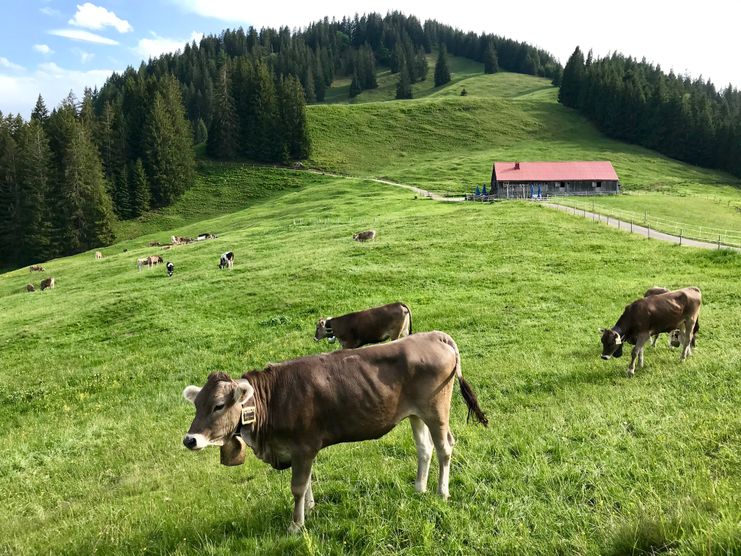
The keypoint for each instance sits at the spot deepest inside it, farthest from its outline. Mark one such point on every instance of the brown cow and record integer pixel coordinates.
(372, 326)
(651, 315)
(47, 283)
(36, 268)
(675, 336)
(30, 288)
(153, 260)
(291, 410)
(364, 236)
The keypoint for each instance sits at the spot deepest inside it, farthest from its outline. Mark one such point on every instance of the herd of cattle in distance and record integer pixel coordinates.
(289, 411)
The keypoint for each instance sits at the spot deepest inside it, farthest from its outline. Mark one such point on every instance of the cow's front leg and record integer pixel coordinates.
(653, 340)
(300, 478)
(637, 352)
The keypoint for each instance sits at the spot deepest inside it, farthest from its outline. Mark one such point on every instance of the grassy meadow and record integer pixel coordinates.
(578, 459)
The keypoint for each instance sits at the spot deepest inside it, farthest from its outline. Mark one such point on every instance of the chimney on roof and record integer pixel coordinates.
(517, 165)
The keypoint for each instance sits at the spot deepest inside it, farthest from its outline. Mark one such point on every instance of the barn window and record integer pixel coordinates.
(599, 184)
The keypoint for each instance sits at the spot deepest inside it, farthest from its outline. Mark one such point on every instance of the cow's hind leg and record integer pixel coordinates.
(653, 340)
(687, 333)
(300, 480)
(423, 440)
(309, 497)
(443, 441)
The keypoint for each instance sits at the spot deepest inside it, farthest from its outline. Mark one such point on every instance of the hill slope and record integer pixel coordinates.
(578, 458)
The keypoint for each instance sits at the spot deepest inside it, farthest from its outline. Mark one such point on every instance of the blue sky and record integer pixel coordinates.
(52, 46)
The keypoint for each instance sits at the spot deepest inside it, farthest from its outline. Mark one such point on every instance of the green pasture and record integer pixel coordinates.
(578, 459)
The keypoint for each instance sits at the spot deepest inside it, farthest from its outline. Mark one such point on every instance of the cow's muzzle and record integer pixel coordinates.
(190, 441)
(605, 357)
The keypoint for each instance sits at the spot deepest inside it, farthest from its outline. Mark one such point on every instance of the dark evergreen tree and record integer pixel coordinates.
(442, 73)
(40, 113)
(223, 136)
(201, 132)
(404, 87)
(420, 65)
(294, 129)
(571, 80)
(355, 88)
(491, 63)
(140, 190)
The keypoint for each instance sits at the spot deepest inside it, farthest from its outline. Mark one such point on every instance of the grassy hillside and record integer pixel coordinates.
(578, 458)
(448, 143)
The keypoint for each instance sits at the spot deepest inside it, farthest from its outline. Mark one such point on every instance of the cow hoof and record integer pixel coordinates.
(309, 505)
(295, 528)
(631, 373)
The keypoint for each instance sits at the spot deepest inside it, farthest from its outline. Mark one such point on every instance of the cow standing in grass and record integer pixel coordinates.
(372, 326)
(367, 235)
(664, 312)
(226, 260)
(47, 283)
(290, 411)
(675, 336)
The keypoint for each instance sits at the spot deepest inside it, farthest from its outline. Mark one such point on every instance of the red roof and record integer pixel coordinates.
(555, 171)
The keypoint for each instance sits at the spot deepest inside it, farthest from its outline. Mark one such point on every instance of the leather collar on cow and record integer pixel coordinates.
(328, 332)
(619, 331)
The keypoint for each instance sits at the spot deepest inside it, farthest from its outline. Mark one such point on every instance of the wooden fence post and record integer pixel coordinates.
(680, 236)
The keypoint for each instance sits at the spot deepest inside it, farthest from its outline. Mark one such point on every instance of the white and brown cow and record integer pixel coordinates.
(371, 326)
(290, 411)
(367, 235)
(645, 317)
(675, 336)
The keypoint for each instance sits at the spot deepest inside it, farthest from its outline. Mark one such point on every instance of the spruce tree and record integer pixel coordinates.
(491, 63)
(201, 132)
(34, 175)
(355, 88)
(404, 87)
(572, 79)
(223, 136)
(294, 129)
(140, 192)
(40, 113)
(442, 74)
(10, 212)
(420, 64)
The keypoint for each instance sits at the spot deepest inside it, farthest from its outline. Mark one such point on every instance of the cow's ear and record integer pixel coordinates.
(191, 392)
(243, 391)
(602, 330)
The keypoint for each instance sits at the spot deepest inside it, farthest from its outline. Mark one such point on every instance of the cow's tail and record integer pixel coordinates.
(466, 391)
(410, 316)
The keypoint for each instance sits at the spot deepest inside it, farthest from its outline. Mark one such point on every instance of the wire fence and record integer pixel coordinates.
(710, 234)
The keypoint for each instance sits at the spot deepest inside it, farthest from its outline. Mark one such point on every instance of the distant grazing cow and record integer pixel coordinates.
(98, 255)
(170, 268)
(36, 268)
(290, 411)
(226, 260)
(364, 236)
(664, 312)
(388, 322)
(30, 288)
(47, 283)
(179, 240)
(675, 336)
(153, 260)
(202, 237)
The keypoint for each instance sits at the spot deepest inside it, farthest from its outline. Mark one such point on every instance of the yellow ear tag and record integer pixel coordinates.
(248, 414)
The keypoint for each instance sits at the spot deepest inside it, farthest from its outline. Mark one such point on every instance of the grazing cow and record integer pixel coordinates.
(364, 236)
(47, 283)
(170, 268)
(201, 237)
(154, 260)
(30, 288)
(291, 410)
(664, 312)
(227, 260)
(98, 255)
(36, 268)
(388, 322)
(180, 240)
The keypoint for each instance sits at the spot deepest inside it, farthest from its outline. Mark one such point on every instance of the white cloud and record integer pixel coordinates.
(43, 49)
(85, 56)
(5, 63)
(95, 17)
(51, 12)
(85, 36)
(156, 46)
(51, 81)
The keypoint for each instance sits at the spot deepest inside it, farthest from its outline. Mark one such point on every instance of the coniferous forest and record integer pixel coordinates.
(128, 147)
(686, 119)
